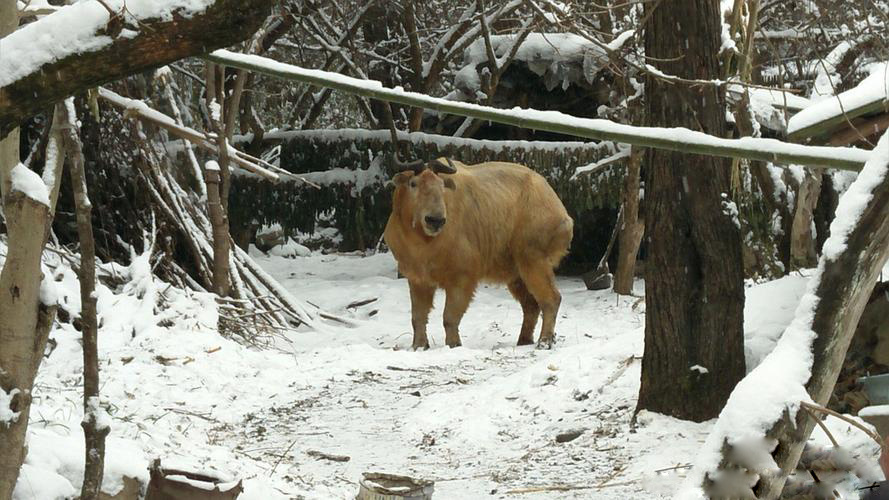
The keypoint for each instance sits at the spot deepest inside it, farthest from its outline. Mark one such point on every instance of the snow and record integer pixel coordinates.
(27, 182)
(765, 318)
(531, 118)
(73, 29)
(777, 384)
(774, 97)
(873, 88)
(729, 208)
(623, 152)
(726, 8)
(49, 293)
(769, 106)
(874, 411)
(215, 110)
(358, 178)
(290, 249)
(479, 418)
(7, 416)
(442, 141)
(103, 421)
(537, 48)
(825, 69)
(855, 199)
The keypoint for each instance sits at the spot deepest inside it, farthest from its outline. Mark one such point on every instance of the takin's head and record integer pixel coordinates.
(422, 194)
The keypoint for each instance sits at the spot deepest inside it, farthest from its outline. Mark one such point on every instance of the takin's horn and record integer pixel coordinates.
(440, 168)
(401, 166)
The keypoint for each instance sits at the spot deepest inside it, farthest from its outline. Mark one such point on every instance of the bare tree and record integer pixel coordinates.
(95, 429)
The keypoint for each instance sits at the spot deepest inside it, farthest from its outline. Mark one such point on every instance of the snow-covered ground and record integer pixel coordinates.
(480, 420)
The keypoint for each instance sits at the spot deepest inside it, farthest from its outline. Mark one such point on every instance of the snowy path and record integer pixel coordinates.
(478, 419)
(481, 420)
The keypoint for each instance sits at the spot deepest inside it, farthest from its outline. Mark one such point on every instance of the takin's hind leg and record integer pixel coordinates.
(530, 311)
(456, 303)
(421, 303)
(541, 282)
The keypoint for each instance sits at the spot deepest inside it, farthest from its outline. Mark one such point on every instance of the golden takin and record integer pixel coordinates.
(453, 226)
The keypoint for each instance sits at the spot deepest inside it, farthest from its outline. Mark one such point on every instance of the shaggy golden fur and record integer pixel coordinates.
(502, 223)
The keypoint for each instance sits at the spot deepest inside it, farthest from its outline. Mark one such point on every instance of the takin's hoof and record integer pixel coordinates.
(525, 341)
(420, 347)
(453, 344)
(546, 344)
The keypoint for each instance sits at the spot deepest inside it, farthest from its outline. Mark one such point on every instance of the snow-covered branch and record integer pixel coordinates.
(144, 112)
(82, 45)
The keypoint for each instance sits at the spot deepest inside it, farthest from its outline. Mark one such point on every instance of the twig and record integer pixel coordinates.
(675, 467)
(191, 413)
(566, 487)
(281, 457)
(558, 487)
(821, 424)
(110, 11)
(873, 435)
(328, 456)
(401, 369)
(359, 303)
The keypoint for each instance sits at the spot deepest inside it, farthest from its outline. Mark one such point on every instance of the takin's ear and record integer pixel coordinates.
(449, 183)
(402, 177)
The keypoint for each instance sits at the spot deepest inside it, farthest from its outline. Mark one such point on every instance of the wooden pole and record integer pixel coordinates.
(673, 139)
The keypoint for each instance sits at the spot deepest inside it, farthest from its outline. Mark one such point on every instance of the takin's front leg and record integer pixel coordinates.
(421, 303)
(456, 303)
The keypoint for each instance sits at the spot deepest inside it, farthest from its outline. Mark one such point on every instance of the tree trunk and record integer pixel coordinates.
(94, 431)
(24, 320)
(9, 146)
(802, 240)
(222, 24)
(632, 229)
(219, 224)
(775, 198)
(25, 324)
(694, 350)
(378, 26)
(218, 180)
(824, 210)
(778, 205)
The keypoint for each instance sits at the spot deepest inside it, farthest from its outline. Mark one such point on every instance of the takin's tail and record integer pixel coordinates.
(561, 241)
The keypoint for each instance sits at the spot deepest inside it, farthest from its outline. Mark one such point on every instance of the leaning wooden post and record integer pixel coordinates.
(824, 325)
(632, 227)
(849, 271)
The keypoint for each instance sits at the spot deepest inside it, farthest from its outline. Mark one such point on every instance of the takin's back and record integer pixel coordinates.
(509, 211)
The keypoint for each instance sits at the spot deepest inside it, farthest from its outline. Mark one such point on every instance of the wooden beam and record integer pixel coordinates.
(826, 126)
(866, 129)
(674, 139)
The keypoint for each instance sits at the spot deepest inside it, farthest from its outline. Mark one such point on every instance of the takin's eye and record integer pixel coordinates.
(413, 184)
